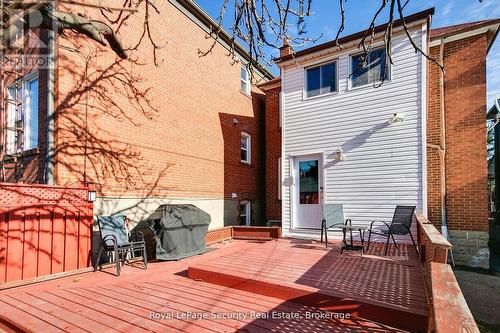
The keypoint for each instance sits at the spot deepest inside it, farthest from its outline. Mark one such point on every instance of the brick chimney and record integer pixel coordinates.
(286, 49)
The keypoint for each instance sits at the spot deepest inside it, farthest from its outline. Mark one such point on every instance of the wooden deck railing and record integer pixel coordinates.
(448, 309)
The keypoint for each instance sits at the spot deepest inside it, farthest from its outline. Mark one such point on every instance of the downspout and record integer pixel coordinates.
(51, 96)
(441, 148)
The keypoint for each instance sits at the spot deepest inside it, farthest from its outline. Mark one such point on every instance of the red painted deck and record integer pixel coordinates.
(101, 302)
(387, 289)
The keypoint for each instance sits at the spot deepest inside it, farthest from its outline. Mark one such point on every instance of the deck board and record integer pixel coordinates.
(304, 271)
(101, 302)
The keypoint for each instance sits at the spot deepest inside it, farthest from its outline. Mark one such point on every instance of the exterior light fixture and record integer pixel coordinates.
(396, 118)
(235, 121)
(234, 195)
(340, 154)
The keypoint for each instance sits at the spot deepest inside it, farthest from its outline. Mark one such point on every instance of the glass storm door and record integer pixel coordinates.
(308, 193)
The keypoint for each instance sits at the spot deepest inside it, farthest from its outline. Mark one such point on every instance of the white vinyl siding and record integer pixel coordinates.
(383, 163)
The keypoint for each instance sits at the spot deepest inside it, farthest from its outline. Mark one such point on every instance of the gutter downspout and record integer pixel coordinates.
(51, 96)
(441, 148)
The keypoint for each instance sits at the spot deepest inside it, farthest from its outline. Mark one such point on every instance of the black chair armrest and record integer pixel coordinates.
(379, 221)
(111, 238)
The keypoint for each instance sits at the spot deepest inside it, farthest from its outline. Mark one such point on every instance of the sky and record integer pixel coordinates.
(325, 22)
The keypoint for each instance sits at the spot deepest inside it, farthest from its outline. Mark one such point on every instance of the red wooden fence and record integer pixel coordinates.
(43, 230)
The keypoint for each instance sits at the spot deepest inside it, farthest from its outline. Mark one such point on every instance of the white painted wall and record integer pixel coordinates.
(138, 209)
(385, 163)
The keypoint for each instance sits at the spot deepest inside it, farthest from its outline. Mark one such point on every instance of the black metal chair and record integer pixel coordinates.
(114, 238)
(400, 225)
(333, 216)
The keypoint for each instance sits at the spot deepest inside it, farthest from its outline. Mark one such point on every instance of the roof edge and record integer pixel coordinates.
(470, 27)
(407, 19)
(271, 84)
(199, 13)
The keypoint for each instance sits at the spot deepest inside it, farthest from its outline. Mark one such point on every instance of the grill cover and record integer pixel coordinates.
(180, 231)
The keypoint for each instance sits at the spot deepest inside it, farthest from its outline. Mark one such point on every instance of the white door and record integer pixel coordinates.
(245, 211)
(308, 192)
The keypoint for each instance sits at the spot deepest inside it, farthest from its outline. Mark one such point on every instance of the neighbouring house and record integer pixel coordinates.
(371, 138)
(187, 131)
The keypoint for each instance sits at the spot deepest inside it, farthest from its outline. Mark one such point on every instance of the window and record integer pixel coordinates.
(245, 81)
(321, 80)
(375, 69)
(246, 156)
(245, 213)
(22, 120)
(309, 182)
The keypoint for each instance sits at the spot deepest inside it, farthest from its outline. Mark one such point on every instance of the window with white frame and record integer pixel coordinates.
(321, 79)
(22, 115)
(245, 217)
(246, 146)
(245, 80)
(372, 71)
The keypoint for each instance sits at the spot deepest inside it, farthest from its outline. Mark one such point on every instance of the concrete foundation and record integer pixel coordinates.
(470, 248)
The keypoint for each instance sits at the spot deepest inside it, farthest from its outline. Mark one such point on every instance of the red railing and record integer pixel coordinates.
(448, 309)
(44, 230)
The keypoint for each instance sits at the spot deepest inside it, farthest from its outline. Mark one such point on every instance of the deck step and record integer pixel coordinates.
(329, 300)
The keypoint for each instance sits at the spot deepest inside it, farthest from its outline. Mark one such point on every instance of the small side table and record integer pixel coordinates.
(350, 246)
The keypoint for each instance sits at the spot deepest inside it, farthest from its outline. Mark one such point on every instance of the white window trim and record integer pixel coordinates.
(11, 146)
(370, 84)
(330, 61)
(249, 147)
(247, 81)
(248, 219)
(27, 112)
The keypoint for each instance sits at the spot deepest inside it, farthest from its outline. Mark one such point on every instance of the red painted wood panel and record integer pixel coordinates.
(14, 246)
(45, 242)
(43, 230)
(4, 219)
(30, 244)
(71, 256)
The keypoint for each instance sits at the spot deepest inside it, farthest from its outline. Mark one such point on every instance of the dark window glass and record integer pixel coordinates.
(309, 182)
(328, 76)
(313, 81)
(321, 79)
(374, 70)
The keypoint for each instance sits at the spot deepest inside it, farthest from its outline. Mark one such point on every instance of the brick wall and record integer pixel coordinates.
(243, 179)
(273, 153)
(30, 166)
(465, 109)
(138, 130)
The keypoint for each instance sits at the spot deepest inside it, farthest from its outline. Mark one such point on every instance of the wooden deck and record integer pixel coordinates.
(135, 302)
(389, 289)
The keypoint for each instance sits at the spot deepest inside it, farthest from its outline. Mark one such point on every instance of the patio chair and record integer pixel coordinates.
(400, 225)
(333, 216)
(114, 238)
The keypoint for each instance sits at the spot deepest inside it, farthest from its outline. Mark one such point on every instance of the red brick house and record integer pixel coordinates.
(187, 131)
(386, 164)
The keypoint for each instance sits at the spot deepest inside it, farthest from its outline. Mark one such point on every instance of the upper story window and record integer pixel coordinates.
(22, 115)
(246, 156)
(321, 79)
(245, 81)
(375, 70)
